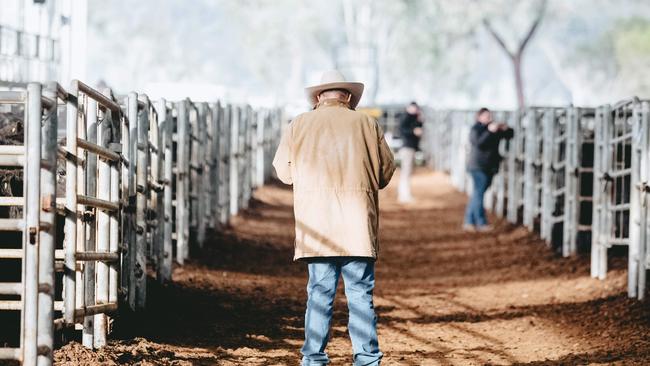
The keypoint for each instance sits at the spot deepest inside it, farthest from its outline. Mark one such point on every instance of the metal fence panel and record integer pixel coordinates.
(127, 164)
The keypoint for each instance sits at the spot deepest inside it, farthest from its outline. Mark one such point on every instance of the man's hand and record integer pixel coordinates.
(493, 127)
(417, 131)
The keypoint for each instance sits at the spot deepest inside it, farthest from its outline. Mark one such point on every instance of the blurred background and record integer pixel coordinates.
(442, 53)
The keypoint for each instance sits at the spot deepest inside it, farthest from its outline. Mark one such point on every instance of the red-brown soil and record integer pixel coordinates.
(444, 297)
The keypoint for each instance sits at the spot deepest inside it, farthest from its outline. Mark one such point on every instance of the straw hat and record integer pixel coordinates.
(335, 80)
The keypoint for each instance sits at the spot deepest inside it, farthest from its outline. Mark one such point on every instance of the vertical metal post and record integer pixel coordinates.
(158, 168)
(114, 224)
(596, 208)
(71, 205)
(187, 180)
(165, 261)
(571, 179)
(103, 238)
(46, 277)
(125, 197)
(131, 268)
(253, 142)
(235, 179)
(142, 167)
(225, 133)
(31, 235)
(219, 167)
(643, 113)
(511, 215)
(117, 129)
(90, 220)
(213, 179)
(193, 168)
(260, 149)
(152, 150)
(638, 142)
(547, 199)
(502, 186)
(530, 181)
(636, 225)
(81, 209)
(198, 155)
(181, 172)
(602, 161)
(605, 223)
(246, 156)
(514, 174)
(208, 163)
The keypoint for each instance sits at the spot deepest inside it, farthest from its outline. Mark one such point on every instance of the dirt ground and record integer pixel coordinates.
(443, 297)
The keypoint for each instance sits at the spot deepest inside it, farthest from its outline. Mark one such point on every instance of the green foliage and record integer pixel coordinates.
(622, 55)
(632, 38)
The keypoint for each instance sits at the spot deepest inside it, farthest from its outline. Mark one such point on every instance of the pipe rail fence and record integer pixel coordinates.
(131, 184)
(580, 177)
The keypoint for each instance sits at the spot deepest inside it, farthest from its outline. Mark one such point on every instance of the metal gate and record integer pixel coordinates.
(516, 167)
(28, 223)
(566, 212)
(124, 164)
(621, 172)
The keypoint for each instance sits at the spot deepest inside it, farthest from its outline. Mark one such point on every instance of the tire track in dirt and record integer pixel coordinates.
(444, 297)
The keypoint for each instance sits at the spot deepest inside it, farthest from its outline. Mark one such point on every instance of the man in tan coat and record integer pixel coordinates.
(337, 160)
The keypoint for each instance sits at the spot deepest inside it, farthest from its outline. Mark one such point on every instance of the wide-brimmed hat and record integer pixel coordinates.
(335, 80)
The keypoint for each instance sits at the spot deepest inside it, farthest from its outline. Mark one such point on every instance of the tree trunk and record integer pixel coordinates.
(519, 81)
(517, 55)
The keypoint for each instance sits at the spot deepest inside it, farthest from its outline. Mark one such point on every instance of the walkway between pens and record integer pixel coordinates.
(444, 297)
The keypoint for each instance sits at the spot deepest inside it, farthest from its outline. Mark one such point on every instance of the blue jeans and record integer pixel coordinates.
(475, 212)
(359, 279)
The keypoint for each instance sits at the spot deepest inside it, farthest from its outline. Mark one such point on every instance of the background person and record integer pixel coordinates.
(483, 163)
(337, 160)
(410, 128)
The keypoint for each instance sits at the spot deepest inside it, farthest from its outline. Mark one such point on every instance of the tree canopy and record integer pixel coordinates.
(437, 52)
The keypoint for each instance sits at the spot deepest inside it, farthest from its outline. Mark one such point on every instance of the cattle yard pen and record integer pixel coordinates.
(101, 191)
(577, 176)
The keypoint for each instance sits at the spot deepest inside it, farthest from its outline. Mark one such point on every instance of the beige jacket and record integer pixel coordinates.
(337, 160)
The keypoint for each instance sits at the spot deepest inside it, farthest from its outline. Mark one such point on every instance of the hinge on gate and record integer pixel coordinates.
(606, 178)
(43, 350)
(87, 216)
(45, 288)
(33, 231)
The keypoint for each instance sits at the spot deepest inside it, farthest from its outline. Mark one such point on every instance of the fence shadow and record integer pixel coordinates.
(195, 314)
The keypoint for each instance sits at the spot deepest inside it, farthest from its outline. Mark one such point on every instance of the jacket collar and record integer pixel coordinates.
(332, 103)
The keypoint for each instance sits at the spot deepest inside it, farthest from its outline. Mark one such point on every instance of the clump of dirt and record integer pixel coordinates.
(137, 351)
(443, 296)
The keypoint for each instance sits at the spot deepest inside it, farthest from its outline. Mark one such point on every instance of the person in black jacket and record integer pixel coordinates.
(483, 164)
(410, 129)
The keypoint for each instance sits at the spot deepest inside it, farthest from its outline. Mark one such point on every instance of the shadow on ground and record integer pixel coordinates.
(444, 297)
